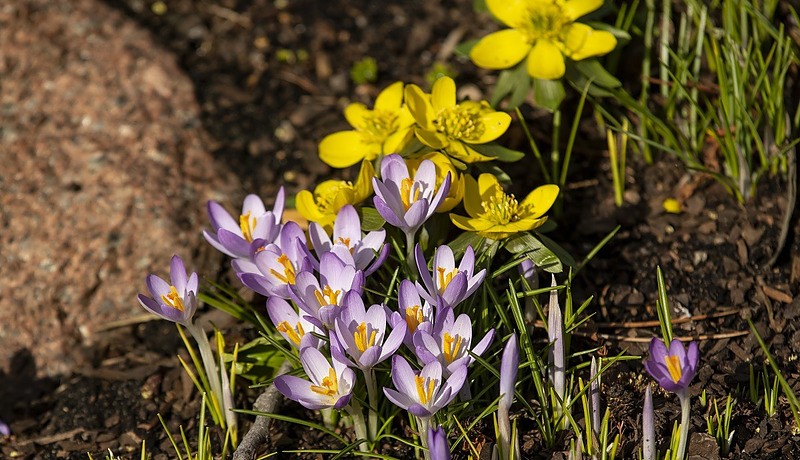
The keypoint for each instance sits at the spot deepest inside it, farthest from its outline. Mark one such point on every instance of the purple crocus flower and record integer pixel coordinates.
(255, 222)
(423, 393)
(322, 298)
(411, 311)
(362, 333)
(509, 365)
(407, 202)
(437, 444)
(556, 357)
(4, 429)
(274, 267)
(292, 326)
(453, 284)
(331, 383)
(648, 427)
(675, 368)
(347, 234)
(174, 301)
(450, 341)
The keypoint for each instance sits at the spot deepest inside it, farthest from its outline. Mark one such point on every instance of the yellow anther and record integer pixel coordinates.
(329, 385)
(327, 296)
(425, 394)
(414, 317)
(451, 346)
(460, 122)
(409, 193)
(445, 278)
(173, 299)
(501, 208)
(674, 367)
(362, 339)
(288, 275)
(295, 334)
(247, 225)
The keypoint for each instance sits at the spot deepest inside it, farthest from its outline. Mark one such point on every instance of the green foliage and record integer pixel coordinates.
(364, 70)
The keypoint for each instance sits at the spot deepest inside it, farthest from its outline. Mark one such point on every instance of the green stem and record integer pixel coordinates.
(554, 148)
(686, 407)
(372, 393)
(412, 267)
(422, 426)
(354, 409)
(210, 367)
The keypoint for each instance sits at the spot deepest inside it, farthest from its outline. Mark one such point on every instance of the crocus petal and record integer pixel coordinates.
(509, 365)
(393, 341)
(315, 364)
(348, 225)
(233, 243)
(676, 349)
(252, 204)
(387, 213)
(219, 217)
(437, 443)
(573, 9)
(319, 238)
(418, 410)
(416, 215)
(177, 274)
(191, 283)
(343, 149)
(157, 286)
(379, 260)
(299, 390)
(422, 267)
(443, 259)
(399, 399)
(454, 293)
(370, 357)
(584, 42)
(500, 50)
(545, 61)
(280, 201)
(485, 342)
(403, 376)
(453, 385)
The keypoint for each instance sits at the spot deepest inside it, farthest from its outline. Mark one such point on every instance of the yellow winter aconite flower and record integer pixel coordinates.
(444, 124)
(378, 131)
(543, 30)
(329, 197)
(443, 166)
(495, 215)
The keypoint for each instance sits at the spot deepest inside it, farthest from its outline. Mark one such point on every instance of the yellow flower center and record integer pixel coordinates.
(378, 126)
(674, 368)
(409, 192)
(247, 225)
(295, 334)
(173, 299)
(327, 296)
(363, 338)
(451, 346)
(445, 278)
(459, 122)
(327, 203)
(545, 21)
(288, 275)
(414, 317)
(424, 392)
(329, 385)
(501, 208)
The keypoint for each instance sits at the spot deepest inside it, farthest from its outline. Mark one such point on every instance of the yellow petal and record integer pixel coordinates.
(494, 125)
(500, 50)
(546, 61)
(488, 186)
(344, 149)
(466, 223)
(510, 12)
(443, 94)
(464, 153)
(574, 9)
(397, 140)
(539, 200)
(363, 185)
(455, 195)
(419, 105)
(472, 196)
(432, 139)
(356, 114)
(391, 98)
(582, 42)
(307, 207)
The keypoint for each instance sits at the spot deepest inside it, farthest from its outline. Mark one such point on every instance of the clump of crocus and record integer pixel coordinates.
(544, 32)
(376, 132)
(494, 214)
(455, 128)
(330, 196)
(674, 369)
(176, 301)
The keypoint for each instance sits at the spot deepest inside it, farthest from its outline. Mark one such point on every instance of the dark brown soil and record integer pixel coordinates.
(271, 78)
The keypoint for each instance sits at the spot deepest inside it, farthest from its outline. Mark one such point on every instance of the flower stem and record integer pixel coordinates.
(422, 427)
(212, 373)
(412, 270)
(686, 406)
(354, 409)
(372, 392)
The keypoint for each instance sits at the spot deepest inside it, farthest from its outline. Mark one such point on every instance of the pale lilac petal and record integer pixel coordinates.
(376, 317)
(177, 274)
(426, 174)
(315, 364)
(343, 401)
(443, 258)
(319, 238)
(676, 349)
(280, 201)
(467, 263)
(462, 327)
(658, 351)
(233, 243)
(393, 168)
(485, 342)
(157, 286)
(393, 341)
(441, 194)
(456, 290)
(279, 310)
(399, 399)
(422, 267)
(253, 205)
(347, 226)
(387, 213)
(416, 215)
(299, 390)
(403, 376)
(378, 262)
(191, 284)
(418, 410)
(220, 218)
(370, 357)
